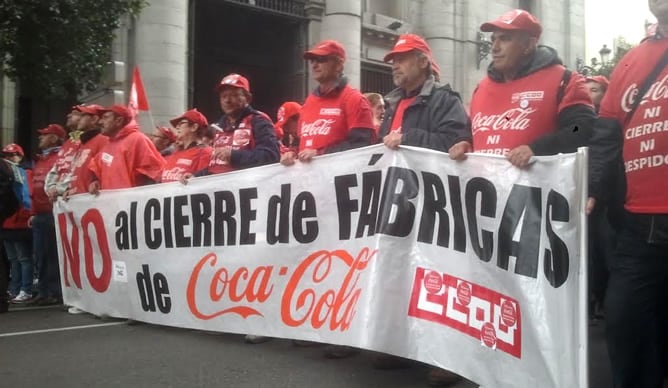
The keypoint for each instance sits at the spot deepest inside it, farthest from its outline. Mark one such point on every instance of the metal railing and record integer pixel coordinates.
(289, 7)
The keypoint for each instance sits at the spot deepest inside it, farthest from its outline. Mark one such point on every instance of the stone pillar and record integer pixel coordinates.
(7, 110)
(438, 26)
(160, 52)
(343, 22)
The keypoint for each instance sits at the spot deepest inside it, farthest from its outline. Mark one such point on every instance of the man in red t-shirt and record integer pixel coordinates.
(529, 103)
(335, 117)
(633, 125)
(130, 159)
(45, 249)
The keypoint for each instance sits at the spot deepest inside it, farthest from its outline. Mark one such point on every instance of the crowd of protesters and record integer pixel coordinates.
(560, 111)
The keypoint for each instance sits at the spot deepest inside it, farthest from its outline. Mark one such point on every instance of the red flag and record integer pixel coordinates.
(138, 100)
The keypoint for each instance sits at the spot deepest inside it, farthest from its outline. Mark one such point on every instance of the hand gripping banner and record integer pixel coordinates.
(474, 266)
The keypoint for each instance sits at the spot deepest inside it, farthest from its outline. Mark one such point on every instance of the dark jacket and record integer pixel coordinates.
(436, 119)
(574, 123)
(265, 144)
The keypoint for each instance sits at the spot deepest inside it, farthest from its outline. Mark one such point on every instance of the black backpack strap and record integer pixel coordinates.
(565, 79)
(646, 85)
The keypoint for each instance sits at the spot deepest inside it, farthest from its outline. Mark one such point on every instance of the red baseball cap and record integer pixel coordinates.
(600, 79)
(13, 148)
(515, 20)
(410, 42)
(406, 43)
(236, 81)
(119, 110)
(53, 129)
(326, 48)
(92, 109)
(193, 115)
(286, 111)
(167, 133)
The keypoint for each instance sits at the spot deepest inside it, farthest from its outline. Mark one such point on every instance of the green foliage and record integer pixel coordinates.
(621, 48)
(59, 47)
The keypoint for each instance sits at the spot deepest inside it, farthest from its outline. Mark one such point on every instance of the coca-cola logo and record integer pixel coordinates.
(174, 174)
(656, 92)
(515, 119)
(318, 127)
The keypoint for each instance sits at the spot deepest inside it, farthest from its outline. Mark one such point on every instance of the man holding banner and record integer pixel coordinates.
(422, 112)
(529, 103)
(634, 123)
(129, 159)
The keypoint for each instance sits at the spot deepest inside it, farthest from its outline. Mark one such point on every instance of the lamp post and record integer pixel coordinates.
(596, 66)
(604, 52)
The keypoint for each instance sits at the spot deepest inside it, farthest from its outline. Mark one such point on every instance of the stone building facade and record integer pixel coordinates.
(184, 47)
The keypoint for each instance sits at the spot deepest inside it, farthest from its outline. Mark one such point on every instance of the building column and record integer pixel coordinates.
(160, 51)
(342, 21)
(7, 110)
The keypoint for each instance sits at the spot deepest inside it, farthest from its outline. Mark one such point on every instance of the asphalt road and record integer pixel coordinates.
(36, 352)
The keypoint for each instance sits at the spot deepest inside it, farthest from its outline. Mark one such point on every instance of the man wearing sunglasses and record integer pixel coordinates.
(335, 117)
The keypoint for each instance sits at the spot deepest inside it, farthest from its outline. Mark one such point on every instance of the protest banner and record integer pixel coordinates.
(474, 266)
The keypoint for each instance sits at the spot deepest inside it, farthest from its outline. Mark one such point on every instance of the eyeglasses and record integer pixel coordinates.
(183, 122)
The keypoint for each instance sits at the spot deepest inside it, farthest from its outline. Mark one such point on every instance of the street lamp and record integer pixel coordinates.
(604, 52)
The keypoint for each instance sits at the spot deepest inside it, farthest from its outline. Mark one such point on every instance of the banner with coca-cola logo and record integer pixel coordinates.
(474, 266)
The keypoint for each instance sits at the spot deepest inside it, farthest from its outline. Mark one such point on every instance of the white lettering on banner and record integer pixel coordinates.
(318, 127)
(484, 314)
(657, 91)
(516, 119)
(646, 162)
(494, 258)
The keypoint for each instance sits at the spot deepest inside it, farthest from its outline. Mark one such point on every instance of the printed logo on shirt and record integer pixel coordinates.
(656, 92)
(516, 119)
(330, 112)
(184, 161)
(318, 127)
(536, 95)
(107, 158)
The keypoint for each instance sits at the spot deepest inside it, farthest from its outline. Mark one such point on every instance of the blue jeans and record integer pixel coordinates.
(636, 309)
(19, 254)
(46, 253)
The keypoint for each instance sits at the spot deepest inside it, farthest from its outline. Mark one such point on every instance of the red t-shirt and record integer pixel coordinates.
(129, 160)
(81, 175)
(506, 115)
(399, 114)
(43, 164)
(646, 133)
(326, 120)
(190, 160)
(239, 138)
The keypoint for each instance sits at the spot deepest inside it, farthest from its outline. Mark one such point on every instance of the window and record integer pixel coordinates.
(526, 5)
(376, 79)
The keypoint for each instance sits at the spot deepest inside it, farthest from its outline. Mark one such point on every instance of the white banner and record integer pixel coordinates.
(475, 266)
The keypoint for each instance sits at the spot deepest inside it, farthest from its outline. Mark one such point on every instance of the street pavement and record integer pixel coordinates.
(36, 352)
